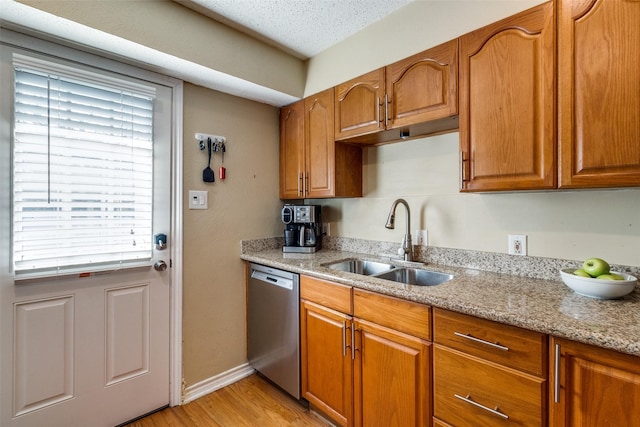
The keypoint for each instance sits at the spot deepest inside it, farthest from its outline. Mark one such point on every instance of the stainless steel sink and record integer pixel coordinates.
(359, 266)
(416, 276)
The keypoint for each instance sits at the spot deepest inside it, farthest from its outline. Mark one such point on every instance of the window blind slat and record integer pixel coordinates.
(83, 172)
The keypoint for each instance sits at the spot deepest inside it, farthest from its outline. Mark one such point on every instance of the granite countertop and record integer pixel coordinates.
(546, 306)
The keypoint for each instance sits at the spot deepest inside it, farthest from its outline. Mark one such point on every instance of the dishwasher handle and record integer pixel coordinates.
(272, 279)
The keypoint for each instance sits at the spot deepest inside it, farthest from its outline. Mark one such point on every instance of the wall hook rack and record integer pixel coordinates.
(217, 140)
(215, 144)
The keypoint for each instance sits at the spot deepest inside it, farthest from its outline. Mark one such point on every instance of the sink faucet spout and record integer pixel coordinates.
(407, 246)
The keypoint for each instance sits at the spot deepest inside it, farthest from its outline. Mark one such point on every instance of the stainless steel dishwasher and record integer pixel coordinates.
(274, 326)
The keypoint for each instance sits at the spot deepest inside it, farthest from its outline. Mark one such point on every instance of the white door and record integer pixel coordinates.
(86, 347)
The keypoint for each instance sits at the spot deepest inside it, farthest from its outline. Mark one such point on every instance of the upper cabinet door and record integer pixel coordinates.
(359, 104)
(320, 145)
(599, 92)
(507, 104)
(423, 87)
(292, 151)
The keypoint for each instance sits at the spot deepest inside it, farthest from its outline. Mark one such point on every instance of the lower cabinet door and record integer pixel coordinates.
(593, 387)
(473, 392)
(392, 378)
(327, 365)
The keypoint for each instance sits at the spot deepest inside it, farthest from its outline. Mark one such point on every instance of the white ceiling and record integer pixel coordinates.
(303, 28)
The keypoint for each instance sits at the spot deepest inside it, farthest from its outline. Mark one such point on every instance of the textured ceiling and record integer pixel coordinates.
(301, 27)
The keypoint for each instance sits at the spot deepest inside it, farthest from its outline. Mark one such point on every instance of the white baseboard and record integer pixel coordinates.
(216, 382)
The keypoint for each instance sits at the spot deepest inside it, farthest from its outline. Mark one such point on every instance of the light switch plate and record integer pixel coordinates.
(198, 199)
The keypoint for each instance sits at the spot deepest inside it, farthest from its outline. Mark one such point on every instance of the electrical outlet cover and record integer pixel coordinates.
(421, 238)
(517, 244)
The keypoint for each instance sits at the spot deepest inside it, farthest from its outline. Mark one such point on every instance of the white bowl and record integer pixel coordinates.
(599, 288)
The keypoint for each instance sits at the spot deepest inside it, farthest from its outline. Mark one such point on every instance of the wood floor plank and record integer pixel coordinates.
(251, 402)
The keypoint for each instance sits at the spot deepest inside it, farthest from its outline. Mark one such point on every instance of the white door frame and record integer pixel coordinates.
(175, 356)
(176, 241)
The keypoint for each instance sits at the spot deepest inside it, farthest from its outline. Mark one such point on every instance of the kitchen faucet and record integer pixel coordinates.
(407, 247)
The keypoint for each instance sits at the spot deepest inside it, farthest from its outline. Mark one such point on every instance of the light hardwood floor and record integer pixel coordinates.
(250, 402)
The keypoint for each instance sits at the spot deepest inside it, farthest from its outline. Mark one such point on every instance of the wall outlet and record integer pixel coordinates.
(326, 228)
(198, 199)
(517, 244)
(422, 238)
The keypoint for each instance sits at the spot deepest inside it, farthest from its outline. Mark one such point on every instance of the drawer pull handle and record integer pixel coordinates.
(353, 341)
(478, 340)
(344, 339)
(493, 411)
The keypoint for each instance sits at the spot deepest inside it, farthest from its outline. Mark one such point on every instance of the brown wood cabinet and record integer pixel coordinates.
(478, 337)
(486, 373)
(327, 369)
(359, 105)
(423, 87)
(598, 93)
(327, 360)
(526, 123)
(592, 387)
(420, 88)
(367, 359)
(312, 164)
(392, 385)
(515, 136)
(292, 162)
(507, 104)
(360, 372)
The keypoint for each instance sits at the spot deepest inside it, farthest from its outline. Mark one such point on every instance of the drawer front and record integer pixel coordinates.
(440, 423)
(471, 392)
(329, 294)
(508, 345)
(405, 316)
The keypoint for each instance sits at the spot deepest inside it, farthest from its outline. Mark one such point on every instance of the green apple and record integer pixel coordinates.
(580, 272)
(596, 267)
(610, 276)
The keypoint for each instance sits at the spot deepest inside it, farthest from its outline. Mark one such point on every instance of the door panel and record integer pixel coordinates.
(292, 151)
(43, 367)
(127, 322)
(507, 114)
(320, 152)
(359, 105)
(392, 378)
(423, 86)
(598, 91)
(596, 386)
(324, 350)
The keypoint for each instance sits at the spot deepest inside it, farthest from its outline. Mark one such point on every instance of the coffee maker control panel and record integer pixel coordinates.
(299, 214)
(305, 214)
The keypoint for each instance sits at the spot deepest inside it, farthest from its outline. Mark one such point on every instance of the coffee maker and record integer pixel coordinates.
(303, 230)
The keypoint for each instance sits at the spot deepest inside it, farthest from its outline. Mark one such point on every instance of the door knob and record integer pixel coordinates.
(160, 265)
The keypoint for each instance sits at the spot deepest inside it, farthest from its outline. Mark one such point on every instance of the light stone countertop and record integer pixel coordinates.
(546, 306)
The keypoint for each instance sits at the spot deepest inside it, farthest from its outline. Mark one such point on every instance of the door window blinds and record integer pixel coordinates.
(82, 171)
